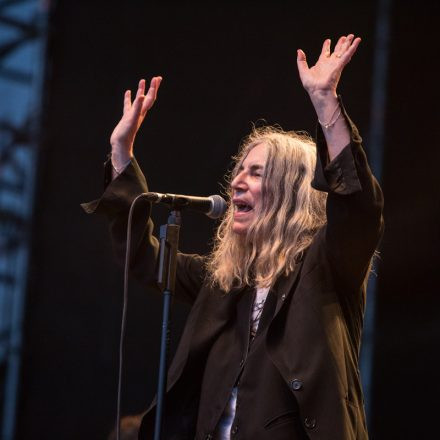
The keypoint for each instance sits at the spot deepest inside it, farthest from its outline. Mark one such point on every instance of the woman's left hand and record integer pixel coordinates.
(322, 78)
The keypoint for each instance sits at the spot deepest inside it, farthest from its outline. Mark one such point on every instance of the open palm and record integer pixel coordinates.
(324, 76)
(133, 114)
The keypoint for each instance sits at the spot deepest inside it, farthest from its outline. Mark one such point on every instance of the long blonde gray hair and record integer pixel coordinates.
(290, 215)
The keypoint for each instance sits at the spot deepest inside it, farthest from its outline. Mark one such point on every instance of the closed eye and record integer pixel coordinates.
(257, 170)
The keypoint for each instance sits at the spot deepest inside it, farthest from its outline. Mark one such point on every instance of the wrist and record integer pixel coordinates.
(121, 151)
(120, 157)
(325, 105)
(322, 98)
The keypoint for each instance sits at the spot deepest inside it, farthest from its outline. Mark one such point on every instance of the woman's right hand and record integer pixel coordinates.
(122, 138)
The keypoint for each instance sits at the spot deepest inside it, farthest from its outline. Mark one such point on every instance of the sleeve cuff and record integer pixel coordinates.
(120, 192)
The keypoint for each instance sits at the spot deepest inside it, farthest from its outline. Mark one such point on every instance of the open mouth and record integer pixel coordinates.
(242, 207)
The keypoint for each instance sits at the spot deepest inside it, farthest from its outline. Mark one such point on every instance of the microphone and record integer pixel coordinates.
(213, 206)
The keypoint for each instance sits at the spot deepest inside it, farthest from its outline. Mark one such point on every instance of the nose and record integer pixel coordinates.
(239, 182)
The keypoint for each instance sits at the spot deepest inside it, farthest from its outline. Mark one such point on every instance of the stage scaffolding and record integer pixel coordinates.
(23, 29)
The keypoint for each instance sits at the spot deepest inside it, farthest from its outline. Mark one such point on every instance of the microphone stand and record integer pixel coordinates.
(166, 277)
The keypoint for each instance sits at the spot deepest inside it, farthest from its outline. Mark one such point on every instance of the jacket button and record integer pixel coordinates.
(283, 297)
(234, 430)
(209, 437)
(241, 363)
(296, 384)
(309, 423)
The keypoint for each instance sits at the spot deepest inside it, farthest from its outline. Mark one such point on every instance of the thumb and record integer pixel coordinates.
(301, 62)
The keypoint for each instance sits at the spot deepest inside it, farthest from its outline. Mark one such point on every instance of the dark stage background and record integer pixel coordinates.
(224, 67)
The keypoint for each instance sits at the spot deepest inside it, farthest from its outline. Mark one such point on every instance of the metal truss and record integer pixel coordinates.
(22, 46)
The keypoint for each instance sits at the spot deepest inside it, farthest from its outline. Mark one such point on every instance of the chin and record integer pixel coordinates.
(240, 229)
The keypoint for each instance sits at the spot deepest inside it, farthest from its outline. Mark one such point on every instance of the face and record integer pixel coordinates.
(246, 188)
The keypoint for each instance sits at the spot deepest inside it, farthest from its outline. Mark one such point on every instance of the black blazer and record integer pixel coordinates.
(313, 335)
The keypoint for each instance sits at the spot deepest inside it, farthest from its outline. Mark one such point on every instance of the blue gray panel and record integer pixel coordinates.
(22, 44)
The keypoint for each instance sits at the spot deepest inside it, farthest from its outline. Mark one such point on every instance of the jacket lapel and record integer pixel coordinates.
(207, 318)
(244, 309)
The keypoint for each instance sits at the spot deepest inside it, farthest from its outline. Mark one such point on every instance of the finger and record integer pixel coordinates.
(346, 57)
(301, 61)
(339, 44)
(127, 101)
(158, 80)
(325, 51)
(152, 94)
(137, 107)
(347, 43)
(141, 88)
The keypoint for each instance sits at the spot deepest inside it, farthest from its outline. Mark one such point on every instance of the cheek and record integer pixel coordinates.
(258, 195)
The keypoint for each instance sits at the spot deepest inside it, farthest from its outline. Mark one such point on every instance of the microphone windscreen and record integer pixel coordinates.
(218, 208)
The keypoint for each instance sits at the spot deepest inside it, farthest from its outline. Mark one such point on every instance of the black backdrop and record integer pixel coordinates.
(223, 67)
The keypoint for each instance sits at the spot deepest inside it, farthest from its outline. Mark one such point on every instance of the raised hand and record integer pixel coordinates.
(323, 77)
(321, 82)
(122, 138)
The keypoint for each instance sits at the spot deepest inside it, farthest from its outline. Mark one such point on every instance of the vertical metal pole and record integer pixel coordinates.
(376, 147)
(169, 242)
(162, 379)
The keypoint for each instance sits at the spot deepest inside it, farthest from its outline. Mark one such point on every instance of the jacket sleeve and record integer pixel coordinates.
(354, 207)
(115, 204)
